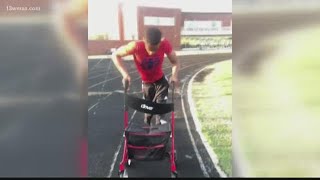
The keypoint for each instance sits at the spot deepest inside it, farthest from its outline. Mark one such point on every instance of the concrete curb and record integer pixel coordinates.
(210, 151)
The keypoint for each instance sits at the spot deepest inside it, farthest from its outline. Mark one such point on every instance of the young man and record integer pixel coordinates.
(148, 57)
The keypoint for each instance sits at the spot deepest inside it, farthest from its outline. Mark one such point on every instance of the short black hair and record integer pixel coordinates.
(153, 35)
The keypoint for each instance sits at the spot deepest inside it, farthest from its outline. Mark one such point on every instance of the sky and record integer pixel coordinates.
(103, 15)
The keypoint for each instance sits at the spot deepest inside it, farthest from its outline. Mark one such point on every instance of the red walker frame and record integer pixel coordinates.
(125, 159)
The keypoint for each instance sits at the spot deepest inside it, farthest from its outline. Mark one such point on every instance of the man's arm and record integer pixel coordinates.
(175, 67)
(118, 62)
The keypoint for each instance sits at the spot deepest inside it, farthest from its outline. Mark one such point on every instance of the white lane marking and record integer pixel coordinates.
(134, 113)
(95, 65)
(109, 93)
(108, 70)
(202, 166)
(98, 102)
(96, 71)
(93, 106)
(115, 156)
(90, 78)
(98, 93)
(103, 82)
(212, 154)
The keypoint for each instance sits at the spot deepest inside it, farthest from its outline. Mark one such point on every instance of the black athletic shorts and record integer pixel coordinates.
(157, 91)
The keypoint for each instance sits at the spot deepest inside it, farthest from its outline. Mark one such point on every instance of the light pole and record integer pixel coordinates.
(120, 22)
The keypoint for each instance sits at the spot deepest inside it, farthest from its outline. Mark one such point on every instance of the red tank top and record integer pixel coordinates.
(149, 66)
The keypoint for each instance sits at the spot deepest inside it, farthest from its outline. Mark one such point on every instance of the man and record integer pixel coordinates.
(148, 57)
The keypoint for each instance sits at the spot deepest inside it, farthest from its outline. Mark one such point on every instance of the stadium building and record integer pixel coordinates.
(183, 29)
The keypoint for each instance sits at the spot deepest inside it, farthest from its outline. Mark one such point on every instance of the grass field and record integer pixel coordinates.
(212, 95)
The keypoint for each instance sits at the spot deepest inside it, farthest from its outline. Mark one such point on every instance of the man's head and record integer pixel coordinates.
(152, 38)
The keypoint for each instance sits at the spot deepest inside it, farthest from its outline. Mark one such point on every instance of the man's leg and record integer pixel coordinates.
(161, 96)
(148, 94)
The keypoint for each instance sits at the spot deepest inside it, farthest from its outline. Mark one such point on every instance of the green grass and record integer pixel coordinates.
(213, 101)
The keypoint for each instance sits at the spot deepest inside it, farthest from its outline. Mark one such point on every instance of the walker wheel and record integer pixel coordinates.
(123, 174)
(174, 174)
